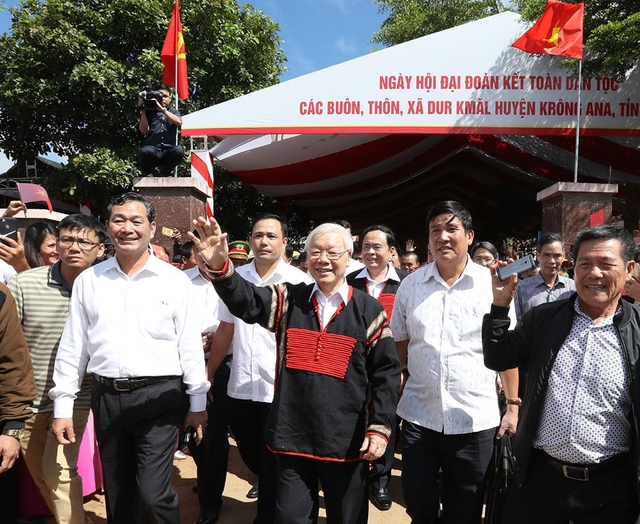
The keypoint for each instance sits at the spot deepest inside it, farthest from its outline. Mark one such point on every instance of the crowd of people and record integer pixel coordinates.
(322, 361)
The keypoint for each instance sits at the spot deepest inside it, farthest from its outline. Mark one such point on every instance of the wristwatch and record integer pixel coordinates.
(15, 433)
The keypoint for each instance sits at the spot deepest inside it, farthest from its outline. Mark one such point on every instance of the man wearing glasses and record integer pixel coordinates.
(160, 127)
(42, 298)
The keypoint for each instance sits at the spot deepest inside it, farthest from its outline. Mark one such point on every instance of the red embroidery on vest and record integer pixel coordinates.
(387, 300)
(319, 352)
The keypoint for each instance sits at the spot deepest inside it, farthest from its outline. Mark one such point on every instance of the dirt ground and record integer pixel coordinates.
(237, 509)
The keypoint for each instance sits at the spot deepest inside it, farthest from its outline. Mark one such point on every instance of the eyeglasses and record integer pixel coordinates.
(84, 245)
(483, 260)
(331, 255)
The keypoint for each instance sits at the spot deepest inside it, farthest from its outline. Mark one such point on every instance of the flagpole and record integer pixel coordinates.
(575, 167)
(175, 84)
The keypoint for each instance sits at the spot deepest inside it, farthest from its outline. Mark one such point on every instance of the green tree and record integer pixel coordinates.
(70, 71)
(612, 29)
(409, 19)
(611, 34)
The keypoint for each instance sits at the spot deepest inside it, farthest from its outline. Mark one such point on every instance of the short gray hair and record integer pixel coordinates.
(327, 227)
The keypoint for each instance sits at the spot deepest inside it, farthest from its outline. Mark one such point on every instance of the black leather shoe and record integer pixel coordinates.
(208, 517)
(381, 499)
(253, 492)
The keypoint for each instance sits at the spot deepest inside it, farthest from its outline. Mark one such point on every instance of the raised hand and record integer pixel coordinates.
(503, 290)
(409, 246)
(212, 243)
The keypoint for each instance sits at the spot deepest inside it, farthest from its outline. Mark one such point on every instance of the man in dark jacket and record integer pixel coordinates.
(17, 391)
(577, 442)
(380, 280)
(17, 387)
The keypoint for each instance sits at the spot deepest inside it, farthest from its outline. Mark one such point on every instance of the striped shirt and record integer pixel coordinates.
(42, 298)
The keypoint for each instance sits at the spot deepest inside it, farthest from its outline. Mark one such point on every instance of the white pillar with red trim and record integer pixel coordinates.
(202, 169)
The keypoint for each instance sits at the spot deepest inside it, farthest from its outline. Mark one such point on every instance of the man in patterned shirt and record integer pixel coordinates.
(577, 444)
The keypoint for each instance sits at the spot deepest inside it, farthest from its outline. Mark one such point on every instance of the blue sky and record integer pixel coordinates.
(322, 33)
(316, 33)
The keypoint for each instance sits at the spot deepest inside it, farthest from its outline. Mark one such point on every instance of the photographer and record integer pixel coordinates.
(159, 124)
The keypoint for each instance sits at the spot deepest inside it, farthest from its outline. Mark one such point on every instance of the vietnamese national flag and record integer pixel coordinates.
(174, 52)
(33, 193)
(559, 31)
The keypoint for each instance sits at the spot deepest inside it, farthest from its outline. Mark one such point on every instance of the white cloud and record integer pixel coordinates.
(347, 47)
(340, 4)
(297, 56)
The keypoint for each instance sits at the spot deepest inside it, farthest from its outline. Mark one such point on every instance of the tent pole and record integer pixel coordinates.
(575, 167)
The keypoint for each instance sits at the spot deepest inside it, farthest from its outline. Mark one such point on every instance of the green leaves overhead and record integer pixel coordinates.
(70, 72)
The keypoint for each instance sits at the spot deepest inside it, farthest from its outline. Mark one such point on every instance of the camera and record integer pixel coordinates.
(149, 96)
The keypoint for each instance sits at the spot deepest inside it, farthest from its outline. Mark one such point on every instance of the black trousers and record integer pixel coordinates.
(137, 432)
(548, 496)
(464, 460)
(8, 495)
(165, 156)
(344, 484)
(212, 455)
(248, 423)
(380, 470)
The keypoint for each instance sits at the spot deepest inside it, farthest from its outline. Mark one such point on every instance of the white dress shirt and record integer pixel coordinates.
(206, 300)
(130, 327)
(7, 272)
(353, 265)
(253, 367)
(375, 288)
(585, 418)
(449, 388)
(327, 306)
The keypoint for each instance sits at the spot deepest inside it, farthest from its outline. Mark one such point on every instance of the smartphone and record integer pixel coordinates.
(519, 266)
(167, 231)
(9, 228)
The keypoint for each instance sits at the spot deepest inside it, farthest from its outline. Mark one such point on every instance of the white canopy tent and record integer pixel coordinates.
(457, 114)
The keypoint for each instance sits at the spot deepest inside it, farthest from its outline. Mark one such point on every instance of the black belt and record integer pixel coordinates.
(131, 384)
(585, 472)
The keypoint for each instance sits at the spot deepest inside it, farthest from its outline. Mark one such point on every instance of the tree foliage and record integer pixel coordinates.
(70, 71)
(611, 33)
(409, 19)
(612, 29)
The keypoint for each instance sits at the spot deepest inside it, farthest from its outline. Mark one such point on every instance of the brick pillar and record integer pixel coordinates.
(567, 206)
(177, 202)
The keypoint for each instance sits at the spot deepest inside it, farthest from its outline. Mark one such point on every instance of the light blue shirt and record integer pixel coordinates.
(534, 291)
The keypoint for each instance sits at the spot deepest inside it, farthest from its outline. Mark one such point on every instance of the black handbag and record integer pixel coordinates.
(499, 480)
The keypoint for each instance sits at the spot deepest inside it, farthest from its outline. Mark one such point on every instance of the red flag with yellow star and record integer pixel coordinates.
(557, 32)
(33, 193)
(174, 54)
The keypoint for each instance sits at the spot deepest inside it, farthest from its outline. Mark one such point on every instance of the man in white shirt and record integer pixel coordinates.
(212, 455)
(131, 325)
(254, 358)
(449, 404)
